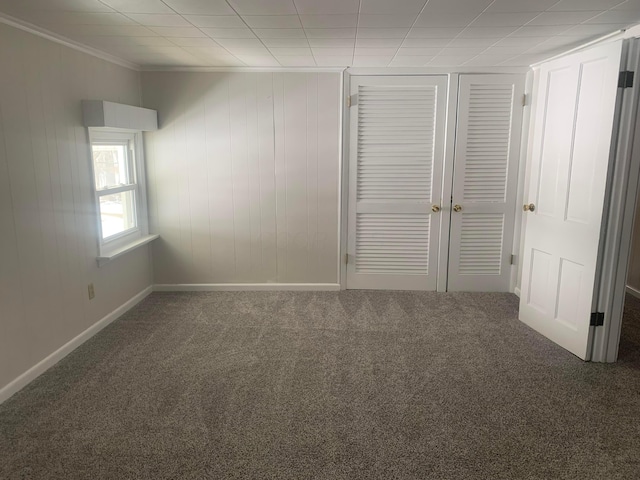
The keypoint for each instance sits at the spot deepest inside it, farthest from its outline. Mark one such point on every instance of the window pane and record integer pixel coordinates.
(110, 165)
(117, 213)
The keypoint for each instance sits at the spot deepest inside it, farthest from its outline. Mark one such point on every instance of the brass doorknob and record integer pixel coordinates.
(457, 208)
(529, 208)
(435, 208)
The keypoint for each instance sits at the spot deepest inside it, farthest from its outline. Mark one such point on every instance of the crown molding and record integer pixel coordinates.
(242, 69)
(67, 42)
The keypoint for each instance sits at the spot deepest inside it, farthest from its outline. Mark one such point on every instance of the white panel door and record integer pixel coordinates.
(395, 180)
(485, 182)
(570, 159)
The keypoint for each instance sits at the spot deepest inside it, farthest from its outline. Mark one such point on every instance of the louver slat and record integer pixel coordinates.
(487, 146)
(481, 244)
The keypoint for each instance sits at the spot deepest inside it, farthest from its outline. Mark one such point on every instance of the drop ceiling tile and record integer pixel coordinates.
(410, 61)
(228, 32)
(372, 61)
(426, 42)
(562, 18)
(333, 7)
(330, 32)
(434, 32)
(573, 5)
(628, 5)
(127, 41)
(472, 42)
(332, 42)
(486, 32)
(262, 7)
(64, 5)
(450, 61)
(291, 51)
(454, 6)
(333, 61)
(521, 5)
(272, 21)
(194, 42)
(106, 30)
(285, 42)
(616, 17)
(540, 30)
(76, 18)
(177, 31)
(159, 20)
(386, 21)
(279, 32)
(200, 7)
(329, 21)
(331, 52)
(419, 52)
(216, 21)
(393, 7)
(488, 60)
(378, 52)
(520, 41)
(259, 61)
(203, 52)
(503, 51)
(240, 42)
(462, 51)
(215, 58)
(503, 19)
(382, 32)
(294, 61)
(249, 51)
(378, 42)
(444, 19)
(139, 6)
(590, 30)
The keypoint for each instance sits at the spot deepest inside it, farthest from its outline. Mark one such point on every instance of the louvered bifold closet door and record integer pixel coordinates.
(485, 182)
(397, 129)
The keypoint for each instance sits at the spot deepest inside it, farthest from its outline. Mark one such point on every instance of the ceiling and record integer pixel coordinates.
(324, 33)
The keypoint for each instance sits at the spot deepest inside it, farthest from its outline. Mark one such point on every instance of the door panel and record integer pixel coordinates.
(484, 185)
(571, 145)
(395, 171)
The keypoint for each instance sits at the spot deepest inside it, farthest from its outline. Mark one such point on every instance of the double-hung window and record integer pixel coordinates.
(118, 175)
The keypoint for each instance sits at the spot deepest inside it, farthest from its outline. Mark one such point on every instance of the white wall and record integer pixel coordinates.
(244, 176)
(48, 226)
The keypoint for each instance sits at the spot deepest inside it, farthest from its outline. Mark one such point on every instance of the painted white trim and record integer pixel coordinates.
(38, 369)
(517, 292)
(238, 287)
(609, 36)
(344, 178)
(126, 248)
(62, 40)
(433, 70)
(633, 291)
(152, 68)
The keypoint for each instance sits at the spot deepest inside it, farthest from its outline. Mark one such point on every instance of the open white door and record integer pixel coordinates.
(395, 181)
(568, 174)
(484, 182)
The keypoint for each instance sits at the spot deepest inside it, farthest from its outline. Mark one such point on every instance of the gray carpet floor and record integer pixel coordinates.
(327, 385)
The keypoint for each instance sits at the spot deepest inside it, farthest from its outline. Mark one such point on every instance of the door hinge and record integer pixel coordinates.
(597, 319)
(352, 100)
(524, 99)
(625, 80)
(513, 259)
(346, 258)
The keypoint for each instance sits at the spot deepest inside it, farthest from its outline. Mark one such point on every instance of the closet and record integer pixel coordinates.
(428, 210)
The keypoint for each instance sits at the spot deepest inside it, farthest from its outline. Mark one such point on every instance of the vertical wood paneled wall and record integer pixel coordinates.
(243, 176)
(48, 228)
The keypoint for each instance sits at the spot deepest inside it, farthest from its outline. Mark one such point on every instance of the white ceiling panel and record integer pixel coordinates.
(328, 32)
(262, 7)
(334, 7)
(272, 21)
(329, 21)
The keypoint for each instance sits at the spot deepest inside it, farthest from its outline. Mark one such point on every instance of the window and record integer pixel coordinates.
(118, 176)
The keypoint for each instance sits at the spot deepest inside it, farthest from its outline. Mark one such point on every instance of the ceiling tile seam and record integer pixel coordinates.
(200, 30)
(355, 40)
(313, 55)
(407, 34)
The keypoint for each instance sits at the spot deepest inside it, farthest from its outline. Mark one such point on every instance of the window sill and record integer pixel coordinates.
(125, 249)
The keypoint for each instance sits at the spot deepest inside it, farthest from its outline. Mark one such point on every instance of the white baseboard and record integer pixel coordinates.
(633, 291)
(516, 291)
(42, 366)
(236, 287)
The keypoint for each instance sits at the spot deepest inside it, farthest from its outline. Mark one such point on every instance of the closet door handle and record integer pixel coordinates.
(457, 208)
(435, 208)
(529, 208)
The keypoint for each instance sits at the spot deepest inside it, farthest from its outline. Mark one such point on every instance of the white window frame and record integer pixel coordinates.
(123, 242)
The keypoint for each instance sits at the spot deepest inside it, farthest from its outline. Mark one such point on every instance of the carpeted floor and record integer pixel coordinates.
(327, 385)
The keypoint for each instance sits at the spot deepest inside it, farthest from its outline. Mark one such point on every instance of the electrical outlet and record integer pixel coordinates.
(92, 292)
